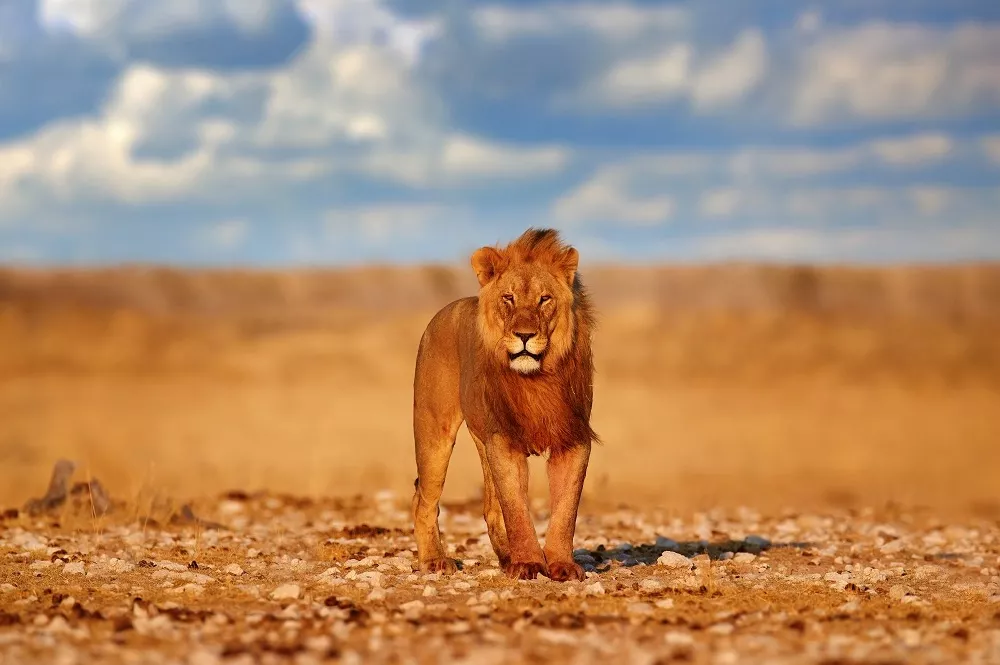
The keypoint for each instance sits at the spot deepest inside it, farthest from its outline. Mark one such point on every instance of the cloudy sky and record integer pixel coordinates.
(326, 131)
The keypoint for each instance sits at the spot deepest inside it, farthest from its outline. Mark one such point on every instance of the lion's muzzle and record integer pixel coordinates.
(525, 352)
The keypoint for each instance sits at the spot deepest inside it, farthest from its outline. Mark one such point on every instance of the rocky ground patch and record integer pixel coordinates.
(269, 578)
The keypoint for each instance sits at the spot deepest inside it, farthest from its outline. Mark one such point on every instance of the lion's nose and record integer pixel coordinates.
(524, 336)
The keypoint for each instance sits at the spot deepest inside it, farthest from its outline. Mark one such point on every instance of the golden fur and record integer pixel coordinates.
(515, 365)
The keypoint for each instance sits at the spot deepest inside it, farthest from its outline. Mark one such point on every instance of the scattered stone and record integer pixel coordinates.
(74, 568)
(674, 560)
(233, 569)
(651, 586)
(639, 608)
(899, 592)
(286, 592)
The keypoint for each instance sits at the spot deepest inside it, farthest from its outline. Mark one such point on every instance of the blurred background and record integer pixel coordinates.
(225, 223)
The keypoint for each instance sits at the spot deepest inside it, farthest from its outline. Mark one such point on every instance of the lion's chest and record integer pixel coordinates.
(535, 416)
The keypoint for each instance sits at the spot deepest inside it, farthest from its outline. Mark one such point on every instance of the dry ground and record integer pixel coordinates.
(311, 581)
(854, 412)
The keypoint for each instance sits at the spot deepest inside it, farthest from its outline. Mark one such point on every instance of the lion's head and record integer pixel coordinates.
(527, 300)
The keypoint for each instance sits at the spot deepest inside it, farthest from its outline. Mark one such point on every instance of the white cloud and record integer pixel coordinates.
(991, 146)
(791, 162)
(931, 201)
(915, 150)
(764, 184)
(809, 22)
(225, 235)
(723, 201)
(891, 241)
(881, 71)
(84, 17)
(378, 224)
(675, 71)
(369, 22)
(607, 199)
(616, 22)
(728, 77)
(191, 135)
(642, 81)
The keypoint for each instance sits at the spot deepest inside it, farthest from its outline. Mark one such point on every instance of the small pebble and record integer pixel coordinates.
(674, 560)
(286, 592)
(650, 586)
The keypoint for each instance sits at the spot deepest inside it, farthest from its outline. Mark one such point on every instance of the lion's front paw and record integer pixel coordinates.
(524, 570)
(439, 565)
(564, 571)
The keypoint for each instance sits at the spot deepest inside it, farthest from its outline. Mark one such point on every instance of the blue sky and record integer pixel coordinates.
(285, 132)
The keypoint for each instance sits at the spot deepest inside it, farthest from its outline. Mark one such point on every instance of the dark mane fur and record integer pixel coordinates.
(548, 411)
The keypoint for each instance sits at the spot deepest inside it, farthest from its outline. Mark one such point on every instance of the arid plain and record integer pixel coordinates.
(732, 400)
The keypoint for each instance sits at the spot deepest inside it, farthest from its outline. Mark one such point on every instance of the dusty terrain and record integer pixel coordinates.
(850, 417)
(282, 578)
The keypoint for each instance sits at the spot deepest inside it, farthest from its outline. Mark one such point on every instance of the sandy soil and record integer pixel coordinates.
(282, 578)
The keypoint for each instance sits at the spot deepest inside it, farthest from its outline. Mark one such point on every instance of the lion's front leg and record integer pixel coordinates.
(509, 469)
(567, 470)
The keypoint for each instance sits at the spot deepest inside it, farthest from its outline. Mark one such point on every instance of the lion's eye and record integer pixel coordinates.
(508, 298)
(544, 299)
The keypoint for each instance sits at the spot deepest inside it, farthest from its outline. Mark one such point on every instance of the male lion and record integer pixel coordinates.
(515, 365)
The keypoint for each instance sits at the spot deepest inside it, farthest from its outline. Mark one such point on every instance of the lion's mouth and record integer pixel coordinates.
(537, 357)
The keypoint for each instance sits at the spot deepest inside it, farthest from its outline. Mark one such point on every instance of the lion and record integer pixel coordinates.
(515, 364)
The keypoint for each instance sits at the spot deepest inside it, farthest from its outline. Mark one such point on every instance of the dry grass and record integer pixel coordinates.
(721, 386)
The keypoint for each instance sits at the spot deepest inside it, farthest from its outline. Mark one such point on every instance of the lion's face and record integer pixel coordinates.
(526, 309)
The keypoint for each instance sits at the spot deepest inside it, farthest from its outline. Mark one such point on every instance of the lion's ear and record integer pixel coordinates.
(486, 263)
(569, 262)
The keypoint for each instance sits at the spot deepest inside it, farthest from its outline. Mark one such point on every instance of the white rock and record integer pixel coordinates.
(203, 657)
(286, 592)
(595, 589)
(170, 565)
(744, 557)
(721, 629)
(892, 547)
(678, 639)
(665, 603)
(373, 577)
(429, 591)
(651, 586)
(58, 625)
(639, 608)
(899, 592)
(120, 566)
(412, 609)
(674, 560)
(233, 569)
(74, 568)
(377, 594)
